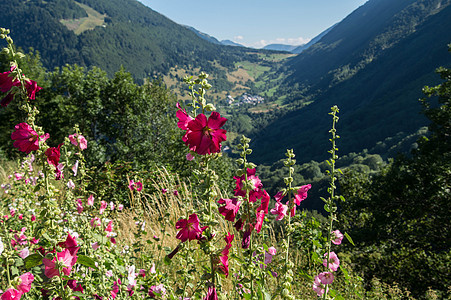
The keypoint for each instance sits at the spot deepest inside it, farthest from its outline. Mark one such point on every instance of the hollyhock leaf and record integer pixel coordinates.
(86, 261)
(349, 238)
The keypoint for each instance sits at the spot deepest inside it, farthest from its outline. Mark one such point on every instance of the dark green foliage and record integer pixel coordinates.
(399, 219)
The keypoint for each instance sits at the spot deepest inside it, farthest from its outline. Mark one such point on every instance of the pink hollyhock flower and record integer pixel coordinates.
(152, 269)
(11, 294)
(115, 289)
(139, 186)
(302, 194)
(26, 139)
(230, 209)
(260, 217)
(211, 294)
(158, 289)
(203, 136)
(65, 258)
(183, 117)
(189, 228)
(24, 253)
(59, 172)
(280, 210)
(78, 140)
(53, 155)
(109, 227)
(112, 206)
(25, 281)
(189, 157)
(109, 273)
(90, 201)
(131, 185)
(33, 218)
(337, 237)
(79, 206)
(334, 262)
(326, 277)
(256, 192)
(175, 193)
(317, 286)
(103, 206)
(120, 207)
(164, 191)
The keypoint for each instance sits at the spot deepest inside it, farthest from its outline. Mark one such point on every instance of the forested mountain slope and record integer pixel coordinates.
(112, 33)
(373, 65)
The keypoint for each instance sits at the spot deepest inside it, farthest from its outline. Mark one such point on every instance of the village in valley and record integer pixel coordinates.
(245, 99)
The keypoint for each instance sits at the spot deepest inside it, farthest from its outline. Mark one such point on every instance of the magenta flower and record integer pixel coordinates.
(139, 186)
(189, 157)
(103, 206)
(75, 168)
(79, 206)
(26, 139)
(72, 284)
(334, 262)
(337, 237)
(64, 258)
(326, 277)
(32, 87)
(256, 192)
(11, 294)
(230, 209)
(189, 228)
(302, 194)
(280, 210)
(6, 84)
(183, 117)
(25, 281)
(224, 258)
(78, 140)
(131, 185)
(203, 136)
(211, 294)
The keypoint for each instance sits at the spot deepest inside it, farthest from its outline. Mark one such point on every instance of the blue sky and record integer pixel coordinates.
(256, 23)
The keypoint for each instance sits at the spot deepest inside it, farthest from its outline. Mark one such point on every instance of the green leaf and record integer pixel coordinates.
(349, 238)
(32, 261)
(86, 261)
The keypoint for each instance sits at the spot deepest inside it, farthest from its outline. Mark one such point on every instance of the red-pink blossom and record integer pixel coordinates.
(79, 206)
(301, 194)
(256, 192)
(32, 87)
(26, 139)
(189, 228)
(224, 258)
(25, 281)
(230, 209)
(78, 140)
(139, 186)
(65, 258)
(280, 210)
(11, 294)
(211, 294)
(318, 287)
(103, 206)
(203, 136)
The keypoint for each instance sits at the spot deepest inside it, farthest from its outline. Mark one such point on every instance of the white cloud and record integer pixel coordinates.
(238, 38)
(285, 41)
